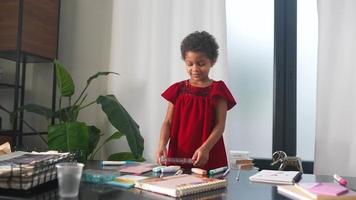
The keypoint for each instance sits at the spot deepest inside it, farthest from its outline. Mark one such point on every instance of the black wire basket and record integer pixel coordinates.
(30, 170)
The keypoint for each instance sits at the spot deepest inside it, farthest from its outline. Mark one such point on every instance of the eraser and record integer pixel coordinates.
(199, 171)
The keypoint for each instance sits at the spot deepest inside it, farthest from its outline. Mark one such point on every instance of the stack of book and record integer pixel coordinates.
(245, 164)
(241, 160)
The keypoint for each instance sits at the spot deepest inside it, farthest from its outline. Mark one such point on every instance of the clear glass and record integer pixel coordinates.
(307, 48)
(250, 36)
(69, 175)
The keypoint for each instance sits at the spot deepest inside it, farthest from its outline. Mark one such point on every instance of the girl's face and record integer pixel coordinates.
(198, 66)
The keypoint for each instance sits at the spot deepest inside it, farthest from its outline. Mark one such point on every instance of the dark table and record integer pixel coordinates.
(237, 190)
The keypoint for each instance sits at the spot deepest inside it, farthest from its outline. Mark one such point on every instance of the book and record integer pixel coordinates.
(99, 176)
(276, 176)
(181, 185)
(137, 168)
(292, 192)
(323, 190)
(248, 161)
(126, 181)
(296, 192)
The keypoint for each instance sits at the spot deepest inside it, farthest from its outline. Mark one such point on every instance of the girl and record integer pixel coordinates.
(196, 115)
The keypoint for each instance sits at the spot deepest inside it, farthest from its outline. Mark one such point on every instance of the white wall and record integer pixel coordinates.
(84, 48)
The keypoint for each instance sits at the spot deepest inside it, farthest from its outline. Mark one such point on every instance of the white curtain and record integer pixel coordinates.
(145, 50)
(336, 88)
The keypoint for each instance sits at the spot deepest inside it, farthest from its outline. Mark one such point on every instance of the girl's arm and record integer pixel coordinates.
(201, 155)
(165, 132)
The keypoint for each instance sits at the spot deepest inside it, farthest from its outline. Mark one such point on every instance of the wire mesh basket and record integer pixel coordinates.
(29, 170)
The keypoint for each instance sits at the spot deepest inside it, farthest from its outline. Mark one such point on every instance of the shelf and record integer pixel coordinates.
(12, 133)
(6, 85)
(25, 57)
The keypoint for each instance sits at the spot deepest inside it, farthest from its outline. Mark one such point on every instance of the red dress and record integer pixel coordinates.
(194, 119)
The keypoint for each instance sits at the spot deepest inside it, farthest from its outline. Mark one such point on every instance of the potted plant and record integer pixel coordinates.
(68, 134)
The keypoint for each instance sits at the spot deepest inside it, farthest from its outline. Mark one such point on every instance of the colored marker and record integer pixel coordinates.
(170, 169)
(158, 168)
(217, 170)
(340, 180)
(199, 171)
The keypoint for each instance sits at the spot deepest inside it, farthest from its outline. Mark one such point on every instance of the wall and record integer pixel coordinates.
(84, 48)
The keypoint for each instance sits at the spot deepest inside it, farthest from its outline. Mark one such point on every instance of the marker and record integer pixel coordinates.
(158, 168)
(172, 168)
(199, 171)
(340, 180)
(217, 170)
(108, 162)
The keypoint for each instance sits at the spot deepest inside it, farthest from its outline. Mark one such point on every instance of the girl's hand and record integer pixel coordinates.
(161, 152)
(200, 157)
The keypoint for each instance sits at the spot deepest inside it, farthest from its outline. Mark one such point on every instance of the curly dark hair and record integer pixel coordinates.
(202, 42)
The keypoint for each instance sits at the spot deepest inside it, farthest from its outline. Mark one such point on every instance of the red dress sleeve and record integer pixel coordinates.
(221, 91)
(172, 93)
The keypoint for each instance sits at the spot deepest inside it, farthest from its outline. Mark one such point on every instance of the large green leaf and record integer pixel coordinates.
(123, 122)
(69, 137)
(64, 80)
(94, 136)
(99, 74)
(67, 114)
(40, 110)
(115, 136)
(125, 156)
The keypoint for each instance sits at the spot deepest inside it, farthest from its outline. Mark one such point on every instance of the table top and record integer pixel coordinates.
(242, 189)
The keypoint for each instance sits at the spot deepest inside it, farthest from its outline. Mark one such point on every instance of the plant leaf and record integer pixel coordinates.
(123, 122)
(67, 114)
(99, 74)
(69, 137)
(125, 156)
(116, 135)
(94, 136)
(64, 80)
(37, 109)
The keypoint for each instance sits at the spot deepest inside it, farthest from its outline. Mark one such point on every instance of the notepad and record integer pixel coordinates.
(138, 168)
(181, 185)
(126, 181)
(276, 176)
(296, 191)
(328, 189)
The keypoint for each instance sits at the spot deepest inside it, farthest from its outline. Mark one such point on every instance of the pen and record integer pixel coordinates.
(238, 173)
(226, 172)
(107, 162)
(217, 170)
(340, 180)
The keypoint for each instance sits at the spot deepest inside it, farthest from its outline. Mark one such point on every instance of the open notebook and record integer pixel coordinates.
(181, 185)
(276, 177)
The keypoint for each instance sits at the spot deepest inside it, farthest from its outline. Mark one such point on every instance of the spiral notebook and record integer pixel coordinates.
(181, 185)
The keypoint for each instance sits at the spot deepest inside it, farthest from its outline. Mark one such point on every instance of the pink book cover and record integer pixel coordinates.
(138, 169)
(332, 189)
